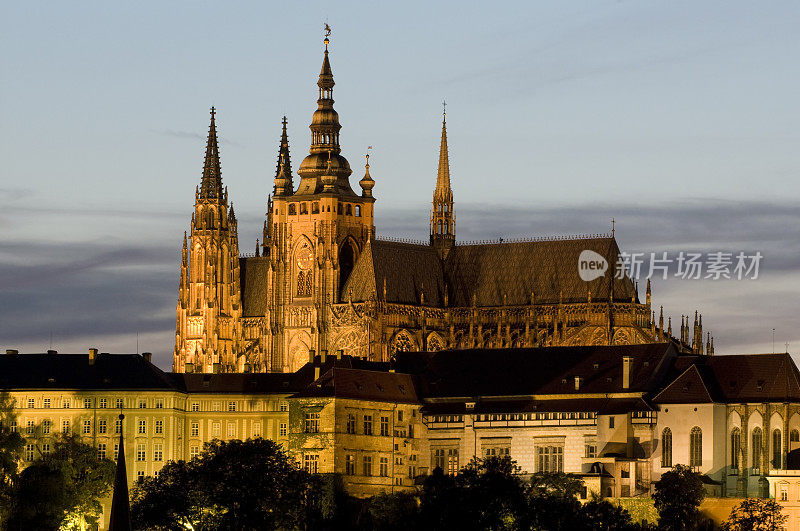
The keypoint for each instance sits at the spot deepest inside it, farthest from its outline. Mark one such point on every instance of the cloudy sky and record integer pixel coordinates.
(677, 119)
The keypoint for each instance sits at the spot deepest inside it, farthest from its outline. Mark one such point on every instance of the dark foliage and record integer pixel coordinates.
(677, 499)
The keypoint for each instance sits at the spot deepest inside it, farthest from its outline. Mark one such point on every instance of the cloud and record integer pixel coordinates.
(192, 136)
(101, 292)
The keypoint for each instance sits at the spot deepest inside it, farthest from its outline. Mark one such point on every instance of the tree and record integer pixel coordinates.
(552, 502)
(393, 512)
(600, 515)
(61, 489)
(677, 497)
(234, 485)
(11, 445)
(756, 514)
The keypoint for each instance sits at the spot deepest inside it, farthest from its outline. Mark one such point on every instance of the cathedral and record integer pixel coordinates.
(322, 281)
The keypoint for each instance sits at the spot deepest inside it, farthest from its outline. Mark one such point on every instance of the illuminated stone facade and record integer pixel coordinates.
(320, 279)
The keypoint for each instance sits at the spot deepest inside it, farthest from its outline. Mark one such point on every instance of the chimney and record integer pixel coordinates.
(246, 367)
(189, 367)
(323, 356)
(339, 354)
(12, 351)
(578, 381)
(215, 368)
(311, 355)
(148, 357)
(52, 352)
(626, 371)
(92, 355)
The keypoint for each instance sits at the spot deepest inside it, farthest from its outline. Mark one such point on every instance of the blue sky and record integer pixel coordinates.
(676, 118)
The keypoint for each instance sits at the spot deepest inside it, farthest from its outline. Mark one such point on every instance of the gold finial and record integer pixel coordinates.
(368, 150)
(613, 222)
(327, 34)
(444, 109)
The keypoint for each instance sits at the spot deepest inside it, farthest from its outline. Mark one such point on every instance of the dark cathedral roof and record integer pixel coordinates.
(253, 278)
(495, 274)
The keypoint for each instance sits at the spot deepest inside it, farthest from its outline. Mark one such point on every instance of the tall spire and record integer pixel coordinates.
(325, 129)
(211, 186)
(283, 174)
(120, 506)
(443, 218)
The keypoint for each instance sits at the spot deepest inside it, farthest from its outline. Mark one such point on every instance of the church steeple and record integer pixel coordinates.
(211, 185)
(443, 218)
(325, 129)
(283, 173)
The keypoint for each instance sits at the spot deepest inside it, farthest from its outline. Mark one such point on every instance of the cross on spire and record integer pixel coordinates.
(444, 107)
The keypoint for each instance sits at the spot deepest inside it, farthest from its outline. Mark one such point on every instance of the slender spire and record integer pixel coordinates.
(443, 219)
(367, 183)
(443, 190)
(283, 174)
(120, 506)
(211, 186)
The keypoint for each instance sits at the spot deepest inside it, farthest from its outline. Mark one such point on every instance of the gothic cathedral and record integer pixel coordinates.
(320, 280)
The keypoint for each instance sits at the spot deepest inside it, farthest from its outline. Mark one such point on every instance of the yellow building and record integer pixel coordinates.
(321, 279)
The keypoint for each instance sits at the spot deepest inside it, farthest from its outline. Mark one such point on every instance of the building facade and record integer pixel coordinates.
(321, 279)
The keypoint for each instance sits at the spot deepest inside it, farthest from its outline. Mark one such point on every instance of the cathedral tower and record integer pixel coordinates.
(314, 235)
(206, 334)
(443, 218)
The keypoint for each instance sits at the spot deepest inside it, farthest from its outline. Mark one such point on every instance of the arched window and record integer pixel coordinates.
(402, 343)
(666, 448)
(758, 445)
(358, 211)
(736, 443)
(349, 210)
(292, 209)
(696, 447)
(777, 450)
(304, 208)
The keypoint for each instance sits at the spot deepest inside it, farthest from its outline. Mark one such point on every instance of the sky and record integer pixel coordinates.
(676, 119)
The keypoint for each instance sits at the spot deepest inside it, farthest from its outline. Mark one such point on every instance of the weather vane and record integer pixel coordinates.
(444, 107)
(369, 148)
(327, 30)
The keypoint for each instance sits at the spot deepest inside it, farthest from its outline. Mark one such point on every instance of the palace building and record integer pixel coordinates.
(322, 280)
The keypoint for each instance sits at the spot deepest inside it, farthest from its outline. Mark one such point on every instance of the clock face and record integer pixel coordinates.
(304, 259)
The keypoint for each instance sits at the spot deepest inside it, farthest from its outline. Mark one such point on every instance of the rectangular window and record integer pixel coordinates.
(284, 407)
(46, 403)
(439, 460)
(65, 426)
(350, 465)
(158, 452)
(142, 427)
(399, 415)
(367, 465)
(116, 451)
(384, 426)
(610, 423)
(13, 426)
(384, 467)
(410, 431)
(87, 403)
(312, 423)
(550, 459)
(194, 451)
(231, 430)
(101, 426)
(195, 429)
(367, 425)
(117, 427)
(784, 493)
(282, 431)
(591, 450)
(140, 452)
(217, 406)
(142, 404)
(159, 427)
(103, 403)
(310, 462)
(87, 426)
(452, 461)
(139, 475)
(45, 426)
(351, 423)
(30, 452)
(215, 429)
(65, 404)
(256, 429)
(31, 403)
(231, 406)
(159, 403)
(195, 406)
(101, 451)
(30, 427)
(120, 403)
